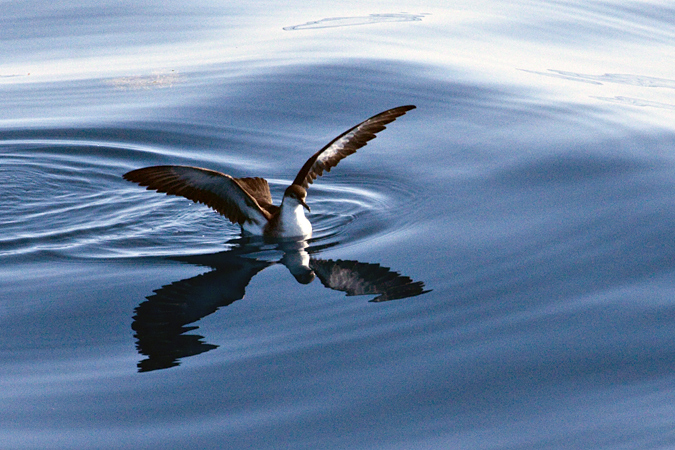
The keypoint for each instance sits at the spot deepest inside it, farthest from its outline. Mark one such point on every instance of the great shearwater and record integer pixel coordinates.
(248, 201)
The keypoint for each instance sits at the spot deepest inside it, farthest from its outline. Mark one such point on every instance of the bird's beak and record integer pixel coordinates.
(302, 202)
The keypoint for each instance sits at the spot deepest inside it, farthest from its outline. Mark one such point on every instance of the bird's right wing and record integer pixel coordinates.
(221, 192)
(258, 189)
(162, 322)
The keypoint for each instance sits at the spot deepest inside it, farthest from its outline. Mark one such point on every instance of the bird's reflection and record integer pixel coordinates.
(162, 321)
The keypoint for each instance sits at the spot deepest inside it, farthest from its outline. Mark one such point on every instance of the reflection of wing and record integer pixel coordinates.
(160, 322)
(346, 144)
(356, 278)
(239, 199)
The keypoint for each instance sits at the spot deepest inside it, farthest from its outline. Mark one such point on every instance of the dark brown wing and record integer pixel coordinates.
(258, 189)
(357, 278)
(162, 322)
(346, 144)
(219, 191)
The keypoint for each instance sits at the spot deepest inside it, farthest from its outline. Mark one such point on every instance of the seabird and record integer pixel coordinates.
(248, 201)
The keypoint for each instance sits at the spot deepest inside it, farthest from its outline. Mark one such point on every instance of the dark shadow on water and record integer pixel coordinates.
(162, 321)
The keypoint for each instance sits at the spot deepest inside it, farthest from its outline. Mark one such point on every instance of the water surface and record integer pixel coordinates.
(519, 224)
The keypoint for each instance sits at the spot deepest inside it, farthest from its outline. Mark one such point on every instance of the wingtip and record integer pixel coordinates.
(129, 176)
(133, 175)
(404, 108)
(400, 110)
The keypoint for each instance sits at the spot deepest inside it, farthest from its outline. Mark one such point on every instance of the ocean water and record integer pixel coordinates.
(506, 250)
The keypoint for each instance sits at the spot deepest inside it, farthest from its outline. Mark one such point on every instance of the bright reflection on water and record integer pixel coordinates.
(520, 220)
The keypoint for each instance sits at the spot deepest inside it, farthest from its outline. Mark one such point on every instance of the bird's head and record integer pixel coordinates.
(296, 193)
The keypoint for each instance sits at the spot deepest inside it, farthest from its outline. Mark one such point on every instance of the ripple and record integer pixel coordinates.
(59, 197)
(334, 22)
(636, 102)
(619, 78)
(68, 198)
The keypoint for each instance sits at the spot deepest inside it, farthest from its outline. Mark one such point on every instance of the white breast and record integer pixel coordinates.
(292, 221)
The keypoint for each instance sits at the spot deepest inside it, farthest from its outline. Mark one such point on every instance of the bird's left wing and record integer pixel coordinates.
(346, 144)
(357, 278)
(216, 190)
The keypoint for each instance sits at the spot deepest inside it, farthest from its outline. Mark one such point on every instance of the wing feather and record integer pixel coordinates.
(227, 195)
(357, 278)
(258, 189)
(346, 144)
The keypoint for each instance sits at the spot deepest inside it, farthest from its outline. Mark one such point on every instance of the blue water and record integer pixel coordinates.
(524, 214)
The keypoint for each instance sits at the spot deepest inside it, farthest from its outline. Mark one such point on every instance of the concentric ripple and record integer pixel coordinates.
(68, 198)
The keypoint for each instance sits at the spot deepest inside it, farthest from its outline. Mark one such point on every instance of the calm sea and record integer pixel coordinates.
(507, 249)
